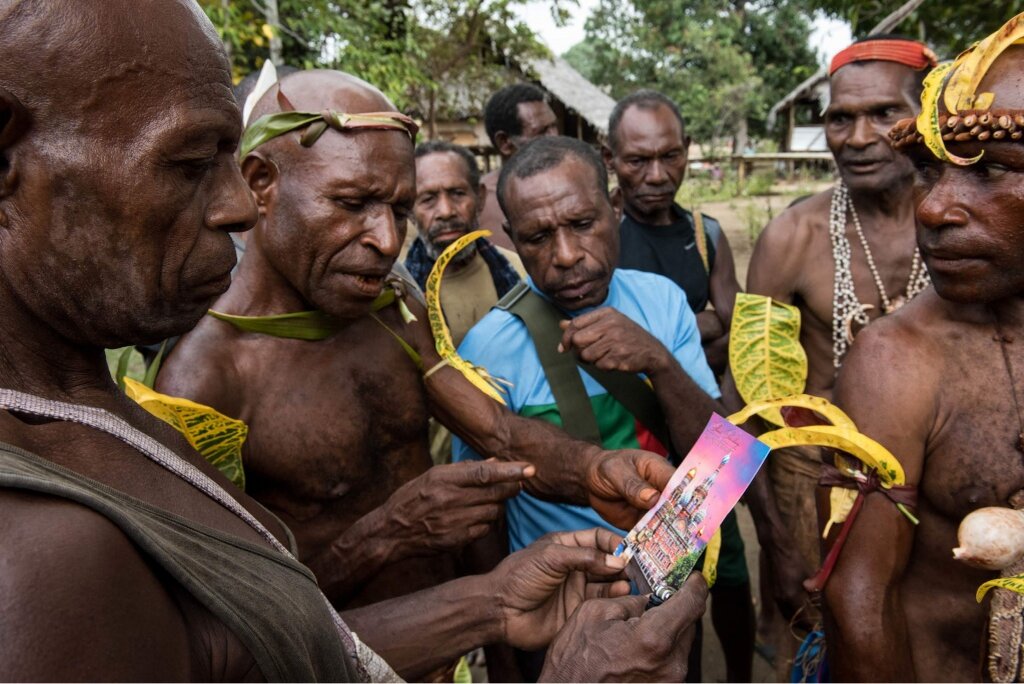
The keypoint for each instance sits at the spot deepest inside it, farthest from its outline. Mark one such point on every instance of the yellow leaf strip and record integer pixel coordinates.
(1015, 583)
(961, 93)
(867, 450)
(928, 120)
(216, 437)
(711, 553)
(821, 406)
(765, 354)
(442, 336)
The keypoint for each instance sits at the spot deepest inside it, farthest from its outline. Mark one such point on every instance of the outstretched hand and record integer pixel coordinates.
(623, 485)
(539, 587)
(450, 505)
(616, 640)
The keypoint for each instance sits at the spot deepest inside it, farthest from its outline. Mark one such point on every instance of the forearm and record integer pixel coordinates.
(710, 326)
(493, 431)
(687, 407)
(772, 533)
(868, 645)
(420, 632)
(353, 558)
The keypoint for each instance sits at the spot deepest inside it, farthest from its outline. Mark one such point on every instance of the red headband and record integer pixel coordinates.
(909, 52)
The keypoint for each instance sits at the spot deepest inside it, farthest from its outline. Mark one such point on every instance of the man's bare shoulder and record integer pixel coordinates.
(79, 601)
(909, 335)
(798, 222)
(891, 379)
(786, 247)
(203, 367)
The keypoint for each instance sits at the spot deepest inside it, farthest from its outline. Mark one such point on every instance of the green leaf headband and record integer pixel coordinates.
(271, 126)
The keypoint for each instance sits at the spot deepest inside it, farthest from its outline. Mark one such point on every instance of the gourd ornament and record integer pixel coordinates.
(991, 538)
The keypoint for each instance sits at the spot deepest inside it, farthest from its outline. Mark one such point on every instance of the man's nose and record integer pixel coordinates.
(656, 173)
(863, 133)
(567, 249)
(445, 207)
(384, 231)
(944, 203)
(233, 208)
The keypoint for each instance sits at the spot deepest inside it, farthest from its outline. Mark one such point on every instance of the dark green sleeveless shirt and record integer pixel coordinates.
(270, 602)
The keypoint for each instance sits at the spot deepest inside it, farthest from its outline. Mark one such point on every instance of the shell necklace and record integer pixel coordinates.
(846, 309)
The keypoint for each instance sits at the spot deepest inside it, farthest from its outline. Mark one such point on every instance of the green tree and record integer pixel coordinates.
(724, 62)
(432, 57)
(948, 27)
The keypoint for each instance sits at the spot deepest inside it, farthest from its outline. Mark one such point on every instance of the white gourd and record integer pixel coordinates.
(991, 538)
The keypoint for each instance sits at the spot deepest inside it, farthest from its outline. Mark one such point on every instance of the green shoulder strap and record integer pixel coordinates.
(541, 319)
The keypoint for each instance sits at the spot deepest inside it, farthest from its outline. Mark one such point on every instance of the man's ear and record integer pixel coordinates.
(686, 154)
(481, 199)
(503, 142)
(617, 202)
(261, 174)
(14, 122)
(607, 155)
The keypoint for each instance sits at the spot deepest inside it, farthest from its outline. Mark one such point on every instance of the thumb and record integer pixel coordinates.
(622, 477)
(560, 561)
(682, 610)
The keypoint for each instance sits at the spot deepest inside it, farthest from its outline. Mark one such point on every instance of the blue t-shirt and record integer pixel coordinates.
(501, 343)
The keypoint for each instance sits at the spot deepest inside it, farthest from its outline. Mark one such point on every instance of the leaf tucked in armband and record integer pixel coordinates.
(765, 355)
(491, 386)
(1015, 583)
(216, 437)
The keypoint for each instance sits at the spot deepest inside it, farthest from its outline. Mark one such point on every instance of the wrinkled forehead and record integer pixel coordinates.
(871, 81)
(376, 163)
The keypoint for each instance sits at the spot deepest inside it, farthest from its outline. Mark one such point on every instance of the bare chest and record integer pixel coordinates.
(340, 420)
(972, 456)
(837, 297)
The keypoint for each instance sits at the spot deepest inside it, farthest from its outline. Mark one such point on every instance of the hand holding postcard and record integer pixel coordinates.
(666, 544)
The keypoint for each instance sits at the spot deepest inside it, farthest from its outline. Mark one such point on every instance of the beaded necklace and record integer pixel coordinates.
(846, 308)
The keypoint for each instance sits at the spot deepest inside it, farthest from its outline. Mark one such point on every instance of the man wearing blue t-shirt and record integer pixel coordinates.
(564, 226)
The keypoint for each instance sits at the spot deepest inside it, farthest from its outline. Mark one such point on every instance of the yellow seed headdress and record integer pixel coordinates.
(969, 114)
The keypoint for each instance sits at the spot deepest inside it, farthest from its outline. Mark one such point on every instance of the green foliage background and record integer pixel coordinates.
(434, 58)
(724, 61)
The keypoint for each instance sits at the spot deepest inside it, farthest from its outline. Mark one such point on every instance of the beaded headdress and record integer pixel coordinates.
(969, 114)
(910, 53)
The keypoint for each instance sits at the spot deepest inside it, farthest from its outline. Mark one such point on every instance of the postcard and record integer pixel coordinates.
(666, 544)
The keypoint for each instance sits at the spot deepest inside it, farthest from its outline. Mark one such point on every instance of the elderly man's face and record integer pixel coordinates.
(338, 220)
(868, 98)
(566, 232)
(649, 158)
(447, 205)
(121, 219)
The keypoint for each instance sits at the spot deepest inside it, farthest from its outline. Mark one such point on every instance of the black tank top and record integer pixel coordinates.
(671, 251)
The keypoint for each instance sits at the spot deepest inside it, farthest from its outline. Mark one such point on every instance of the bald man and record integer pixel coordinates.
(338, 425)
(125, 555)
(947, 406)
